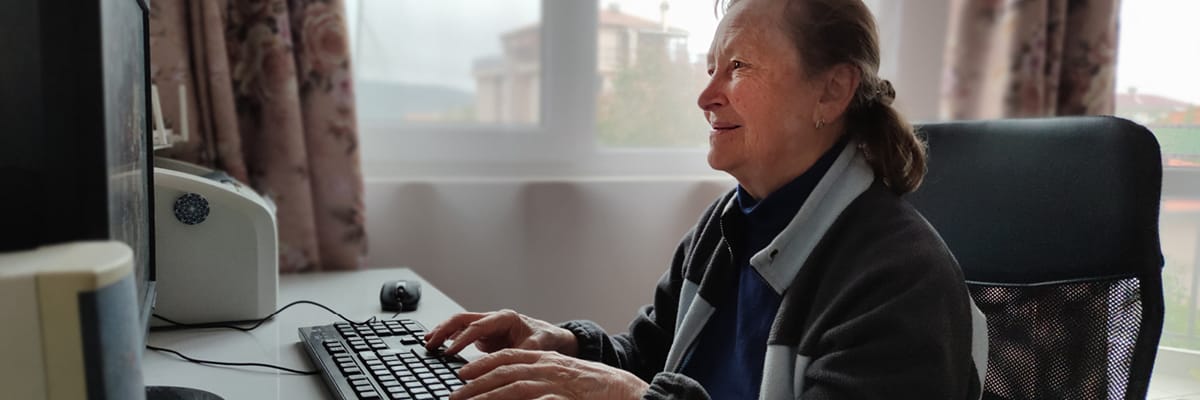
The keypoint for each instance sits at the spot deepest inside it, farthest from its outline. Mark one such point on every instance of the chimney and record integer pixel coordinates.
(662, 8)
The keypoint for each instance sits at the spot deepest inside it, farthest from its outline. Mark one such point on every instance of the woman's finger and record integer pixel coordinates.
(500, 376)
(489, 362)
(491, 325)
(434, 338)
(518, 390)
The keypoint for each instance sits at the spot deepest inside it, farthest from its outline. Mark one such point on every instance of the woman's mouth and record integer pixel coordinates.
(718, 129)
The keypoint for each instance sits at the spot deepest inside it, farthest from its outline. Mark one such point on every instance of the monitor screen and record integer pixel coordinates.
(128, 145)
(75, 149)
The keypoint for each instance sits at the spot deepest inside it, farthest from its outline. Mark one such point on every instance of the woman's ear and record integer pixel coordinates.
(841, 82)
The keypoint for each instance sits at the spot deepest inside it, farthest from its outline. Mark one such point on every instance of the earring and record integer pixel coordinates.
(820, 123)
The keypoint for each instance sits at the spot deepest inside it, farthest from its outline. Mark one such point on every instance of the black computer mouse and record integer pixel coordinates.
(400, 295)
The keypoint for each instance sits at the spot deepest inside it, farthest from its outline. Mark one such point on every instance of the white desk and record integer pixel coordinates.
(354, 294)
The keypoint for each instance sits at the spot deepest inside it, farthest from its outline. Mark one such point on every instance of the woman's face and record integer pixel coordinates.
(759, 102)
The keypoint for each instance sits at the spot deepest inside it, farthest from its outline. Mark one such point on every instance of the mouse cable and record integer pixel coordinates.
(247, 329)
(231, 364)
(258, 322)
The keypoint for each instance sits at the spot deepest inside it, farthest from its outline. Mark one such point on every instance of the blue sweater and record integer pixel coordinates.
(728, 358)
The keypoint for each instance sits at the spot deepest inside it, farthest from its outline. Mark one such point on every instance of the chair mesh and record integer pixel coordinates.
(1066, 341)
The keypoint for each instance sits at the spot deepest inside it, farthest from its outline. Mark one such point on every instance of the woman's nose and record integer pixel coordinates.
(712, 97)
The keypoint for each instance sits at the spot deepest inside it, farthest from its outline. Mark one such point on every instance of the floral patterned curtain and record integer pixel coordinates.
(270, 101)
(1030, 58)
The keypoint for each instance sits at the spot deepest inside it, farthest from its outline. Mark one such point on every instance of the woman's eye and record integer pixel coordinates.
(737, 64)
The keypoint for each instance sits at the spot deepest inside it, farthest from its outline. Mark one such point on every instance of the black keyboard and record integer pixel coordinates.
(381, 360)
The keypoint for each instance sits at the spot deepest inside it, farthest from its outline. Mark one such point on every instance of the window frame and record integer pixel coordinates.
(562, 144)
(563, 115)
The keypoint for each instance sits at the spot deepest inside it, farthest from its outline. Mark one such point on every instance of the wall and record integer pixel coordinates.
(556, 249)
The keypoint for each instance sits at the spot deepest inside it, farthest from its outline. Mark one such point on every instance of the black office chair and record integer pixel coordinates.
(1055, 224)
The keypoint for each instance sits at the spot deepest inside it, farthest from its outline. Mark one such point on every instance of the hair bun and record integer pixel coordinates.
(887, 93)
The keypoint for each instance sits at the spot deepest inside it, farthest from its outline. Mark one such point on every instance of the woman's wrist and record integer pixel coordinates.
(568, 344)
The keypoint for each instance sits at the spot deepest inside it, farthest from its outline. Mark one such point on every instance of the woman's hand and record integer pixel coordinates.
(500, 330)
(526, 374)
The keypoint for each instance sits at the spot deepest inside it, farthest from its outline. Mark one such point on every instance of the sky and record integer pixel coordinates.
(1159, 49)
(1159, 40)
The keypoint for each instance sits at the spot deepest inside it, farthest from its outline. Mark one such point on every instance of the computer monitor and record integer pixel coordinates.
(75, 148)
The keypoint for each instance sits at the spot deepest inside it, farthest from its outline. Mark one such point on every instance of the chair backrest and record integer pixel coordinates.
(1055, 225)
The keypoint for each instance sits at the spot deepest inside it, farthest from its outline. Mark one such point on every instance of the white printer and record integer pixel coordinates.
(216, 246)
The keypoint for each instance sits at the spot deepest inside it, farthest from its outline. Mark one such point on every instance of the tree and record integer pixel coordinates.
(652, 103)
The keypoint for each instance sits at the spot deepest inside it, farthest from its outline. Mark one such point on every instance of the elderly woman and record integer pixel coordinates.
(811, 279)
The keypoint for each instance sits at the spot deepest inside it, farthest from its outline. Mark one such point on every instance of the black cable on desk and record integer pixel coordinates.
(257, 324)
(231, 364)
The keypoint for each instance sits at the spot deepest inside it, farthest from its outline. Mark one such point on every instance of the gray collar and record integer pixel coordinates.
(781, 260)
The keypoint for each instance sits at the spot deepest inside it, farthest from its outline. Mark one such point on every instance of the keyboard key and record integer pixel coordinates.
(447, 377)
(441, 393)
(424, 396)
(399, 396)
(360, 382)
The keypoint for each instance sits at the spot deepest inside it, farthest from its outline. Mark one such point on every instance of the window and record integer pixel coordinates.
(487, 76)
(651, 65)
(1157, 87)
(531, 87)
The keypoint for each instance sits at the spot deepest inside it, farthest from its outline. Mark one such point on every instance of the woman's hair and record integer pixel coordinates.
(831, 32)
